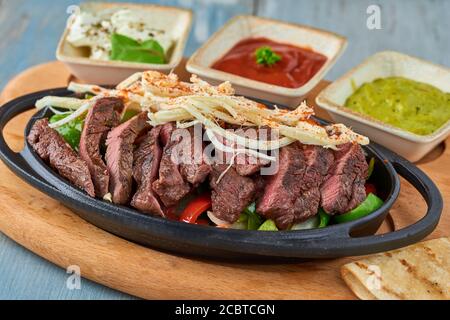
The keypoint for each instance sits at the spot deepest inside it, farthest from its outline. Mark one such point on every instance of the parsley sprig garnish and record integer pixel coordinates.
(266, 56)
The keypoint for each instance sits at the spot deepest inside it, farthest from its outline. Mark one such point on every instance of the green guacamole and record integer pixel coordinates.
(410, 105)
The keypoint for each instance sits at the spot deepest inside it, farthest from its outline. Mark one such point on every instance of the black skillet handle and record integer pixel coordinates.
(414, 232)
(15, 161)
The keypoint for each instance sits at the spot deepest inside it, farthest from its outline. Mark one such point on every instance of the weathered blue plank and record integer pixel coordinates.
(415, 27)
(24, 275)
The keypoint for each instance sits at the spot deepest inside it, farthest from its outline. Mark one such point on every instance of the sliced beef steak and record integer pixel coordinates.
(292, 194)
(344, 189)
(194, 167)
(170, 187)
(166, 133)
(277, 201)
(232, 194)
(119, 156)
(319, 161)
(52, 148)
(147, 157)
(245, 165)
(101, 118)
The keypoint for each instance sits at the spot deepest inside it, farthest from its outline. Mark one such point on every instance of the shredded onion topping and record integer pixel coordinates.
(169, 100)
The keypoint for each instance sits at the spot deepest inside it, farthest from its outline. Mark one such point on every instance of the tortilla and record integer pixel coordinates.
(417, 272)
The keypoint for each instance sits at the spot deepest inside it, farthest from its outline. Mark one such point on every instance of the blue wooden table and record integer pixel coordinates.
(31, 28)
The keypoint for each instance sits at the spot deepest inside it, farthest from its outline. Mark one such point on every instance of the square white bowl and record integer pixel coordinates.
(241, 27)
(381, 65)
(179, 22)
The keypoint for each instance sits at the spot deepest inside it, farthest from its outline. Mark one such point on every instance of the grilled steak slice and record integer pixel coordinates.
(101, 118)
(119, 156)
(319, 161)
(232, 194)
(170, 187)
(195, 168)
(344, 189)
(292, 194)
(277, 202)
(52, 148)
(166, 133)
(145, 171)
(245, 165)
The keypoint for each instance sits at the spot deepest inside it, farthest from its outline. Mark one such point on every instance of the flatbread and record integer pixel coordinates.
(417, 272)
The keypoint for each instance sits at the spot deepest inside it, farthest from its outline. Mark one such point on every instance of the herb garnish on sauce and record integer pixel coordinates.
(124, 48)
(266, 56)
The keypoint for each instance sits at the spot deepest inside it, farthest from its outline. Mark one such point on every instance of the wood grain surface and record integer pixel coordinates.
(52, 231)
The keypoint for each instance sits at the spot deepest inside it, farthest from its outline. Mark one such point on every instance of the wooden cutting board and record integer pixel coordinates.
(54, 232)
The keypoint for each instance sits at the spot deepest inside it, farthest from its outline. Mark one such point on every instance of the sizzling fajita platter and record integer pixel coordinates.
(196, 169)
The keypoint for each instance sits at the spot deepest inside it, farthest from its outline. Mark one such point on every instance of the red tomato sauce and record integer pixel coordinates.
(297, 65)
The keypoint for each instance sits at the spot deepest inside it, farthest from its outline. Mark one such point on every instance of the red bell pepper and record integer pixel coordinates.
(202, 222)
(170, 213)
(195, 208)
(370, 188)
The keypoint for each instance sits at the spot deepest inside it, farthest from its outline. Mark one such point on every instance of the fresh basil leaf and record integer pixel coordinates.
(124, 48)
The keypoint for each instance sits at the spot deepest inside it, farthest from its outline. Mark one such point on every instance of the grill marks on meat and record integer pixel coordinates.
(232, 194)
(195, 168)
(245, 165)
(147, 157)
(170, 187)
(101, 118)
(319, 162)
(119, 156)
(344, 189)
(183, 164)
(52, 148)
(292, 195)
(283, 188)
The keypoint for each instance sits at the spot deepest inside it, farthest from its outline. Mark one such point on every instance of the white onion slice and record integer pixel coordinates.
(217, 221)
(129, 81)
(57, 111)
(86, 88)
(185, 125)
(243, 141)
(59, 102)
(221, 147)
(72, 116)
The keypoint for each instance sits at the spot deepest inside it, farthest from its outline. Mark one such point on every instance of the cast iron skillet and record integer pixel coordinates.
(348, 239)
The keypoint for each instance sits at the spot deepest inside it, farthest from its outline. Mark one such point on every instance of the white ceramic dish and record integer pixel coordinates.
(381, 65)
(113, 72)
(241, 27)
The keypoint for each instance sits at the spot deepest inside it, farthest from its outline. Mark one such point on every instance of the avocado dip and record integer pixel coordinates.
(410, 105)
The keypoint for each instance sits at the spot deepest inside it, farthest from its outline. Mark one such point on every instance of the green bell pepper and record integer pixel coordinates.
(269, 225)
(254, 220)
(324, 218)
(128, 115)
(368, 206)
(371, 168)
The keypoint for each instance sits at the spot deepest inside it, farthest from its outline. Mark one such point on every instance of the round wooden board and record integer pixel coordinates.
(52, 231)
